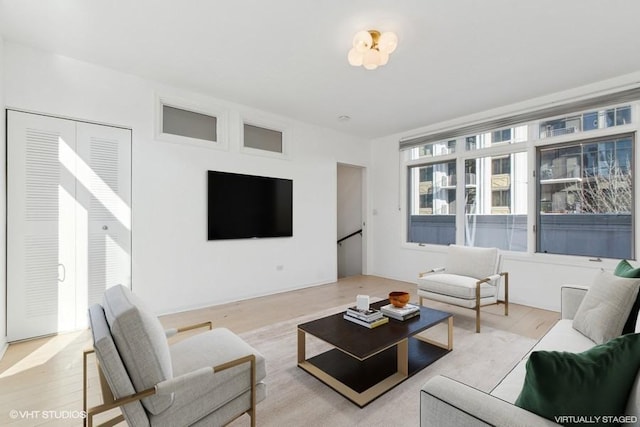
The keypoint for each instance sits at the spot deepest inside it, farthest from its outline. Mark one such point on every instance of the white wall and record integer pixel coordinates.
(3, 217)
(535, 279)
(174, 266)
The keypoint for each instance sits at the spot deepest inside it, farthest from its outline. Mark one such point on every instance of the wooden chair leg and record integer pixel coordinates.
(421, 298)
(478, 307)
(506, 294)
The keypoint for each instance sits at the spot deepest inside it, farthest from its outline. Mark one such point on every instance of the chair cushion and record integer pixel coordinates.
(112, 367)
(455, 285)
(470, 261)
(207, 395)
(606, 307)
(141, 342)
(594, 383)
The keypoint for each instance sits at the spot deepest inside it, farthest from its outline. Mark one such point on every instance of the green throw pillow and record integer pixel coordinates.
(624, 269)
(595, 383)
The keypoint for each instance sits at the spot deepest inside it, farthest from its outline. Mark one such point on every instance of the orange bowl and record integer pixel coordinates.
(399, 298)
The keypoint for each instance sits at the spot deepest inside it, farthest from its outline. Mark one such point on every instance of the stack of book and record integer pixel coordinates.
(370, 318)
(404, 313)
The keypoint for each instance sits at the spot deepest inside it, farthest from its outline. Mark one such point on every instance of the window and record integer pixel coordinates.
(432, 204)
(261, 138)
(586, 198)
(434, 149)
(586, 121)
(497, 137)
(177, 121)
(496, 202)
(501, 165)
(180, 122)
(503, 135)
(264, 136)
(578, 200)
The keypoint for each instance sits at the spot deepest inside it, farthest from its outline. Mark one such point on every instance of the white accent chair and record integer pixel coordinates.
(469, 279)
(208, 379)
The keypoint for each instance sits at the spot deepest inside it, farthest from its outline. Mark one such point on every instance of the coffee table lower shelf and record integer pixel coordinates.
(362, 381)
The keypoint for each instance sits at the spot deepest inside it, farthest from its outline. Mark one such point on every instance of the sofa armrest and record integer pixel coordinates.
(445, 402)
(570, 298)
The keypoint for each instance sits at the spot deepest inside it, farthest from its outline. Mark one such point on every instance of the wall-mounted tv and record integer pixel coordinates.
(248, 206)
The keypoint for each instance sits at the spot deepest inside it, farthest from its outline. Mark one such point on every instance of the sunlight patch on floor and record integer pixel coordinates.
(42, 354)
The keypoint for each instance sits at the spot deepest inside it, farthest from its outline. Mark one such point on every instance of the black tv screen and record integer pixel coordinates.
(248, 206)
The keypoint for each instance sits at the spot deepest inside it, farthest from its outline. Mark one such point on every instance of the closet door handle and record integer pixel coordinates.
(64, 273)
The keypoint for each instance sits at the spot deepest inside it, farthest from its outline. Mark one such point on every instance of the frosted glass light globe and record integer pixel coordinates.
(355, 57)
(362, 41)
(387, 42)
(371, 59)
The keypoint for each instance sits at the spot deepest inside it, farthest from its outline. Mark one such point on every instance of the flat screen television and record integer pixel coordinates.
(248, 206)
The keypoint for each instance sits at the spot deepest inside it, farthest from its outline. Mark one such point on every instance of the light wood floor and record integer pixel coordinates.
(46, 374)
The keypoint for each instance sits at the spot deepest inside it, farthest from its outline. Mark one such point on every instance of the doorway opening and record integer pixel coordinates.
(350, 223)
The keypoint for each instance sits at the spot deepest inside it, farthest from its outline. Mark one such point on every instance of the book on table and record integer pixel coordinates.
(404, 313)
(372, 324)
(366, 315)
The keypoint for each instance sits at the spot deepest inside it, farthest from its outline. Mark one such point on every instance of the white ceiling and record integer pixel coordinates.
(454, 58)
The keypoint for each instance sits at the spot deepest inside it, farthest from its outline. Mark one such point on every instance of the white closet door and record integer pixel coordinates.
(41, 227)
(69, 220)
(103, 168)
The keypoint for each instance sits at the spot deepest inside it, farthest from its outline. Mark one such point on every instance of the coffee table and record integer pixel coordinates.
(366, 363)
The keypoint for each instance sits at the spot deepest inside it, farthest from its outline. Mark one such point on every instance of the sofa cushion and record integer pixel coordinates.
(470, 261)
(592, 383)
(606, 307)
(562, 337)
(624, 269)
(141, 342)
(455, 285)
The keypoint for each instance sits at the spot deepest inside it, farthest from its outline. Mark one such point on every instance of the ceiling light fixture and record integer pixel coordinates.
(371, 49)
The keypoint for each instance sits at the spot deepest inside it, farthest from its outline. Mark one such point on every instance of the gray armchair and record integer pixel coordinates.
(207, 379)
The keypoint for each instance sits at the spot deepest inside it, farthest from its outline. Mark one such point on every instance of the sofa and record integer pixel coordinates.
(446, 402)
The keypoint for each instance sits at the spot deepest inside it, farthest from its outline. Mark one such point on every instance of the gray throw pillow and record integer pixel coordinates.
(606, 306)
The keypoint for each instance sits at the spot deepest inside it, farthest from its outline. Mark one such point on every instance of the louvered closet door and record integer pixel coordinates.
(41, 227)
(104, 221)
(68, 216)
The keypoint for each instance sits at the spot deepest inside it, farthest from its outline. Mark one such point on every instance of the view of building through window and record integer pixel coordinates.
(585, 184)
(433, 205)
(496, 202)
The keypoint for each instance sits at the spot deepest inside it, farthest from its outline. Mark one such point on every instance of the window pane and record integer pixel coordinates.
(432, 203)
(188, 123)
(502, 136)
(586, 198)
(496, 202)
(262, 138)
(586, 121)
(433, 149)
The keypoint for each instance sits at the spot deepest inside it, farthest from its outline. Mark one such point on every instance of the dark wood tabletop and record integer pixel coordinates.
(363, 342)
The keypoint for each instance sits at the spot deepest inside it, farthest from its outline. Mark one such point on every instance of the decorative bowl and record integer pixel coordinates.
(399, 298)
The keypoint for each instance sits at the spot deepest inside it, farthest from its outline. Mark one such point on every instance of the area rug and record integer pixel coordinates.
(295, 398)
